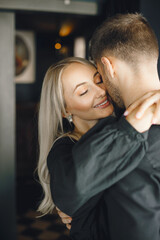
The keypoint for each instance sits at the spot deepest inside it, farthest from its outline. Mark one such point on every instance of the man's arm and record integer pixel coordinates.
(107, 153)
(142, 104)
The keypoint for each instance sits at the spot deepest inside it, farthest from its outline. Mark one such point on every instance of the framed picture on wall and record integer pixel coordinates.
(24, 57)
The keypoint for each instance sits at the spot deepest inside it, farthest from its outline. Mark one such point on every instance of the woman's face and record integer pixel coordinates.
(84, 93)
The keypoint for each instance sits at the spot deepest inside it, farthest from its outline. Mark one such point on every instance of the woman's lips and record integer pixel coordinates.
(103, 104)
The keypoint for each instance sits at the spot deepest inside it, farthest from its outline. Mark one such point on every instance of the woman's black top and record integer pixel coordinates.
(78, 184)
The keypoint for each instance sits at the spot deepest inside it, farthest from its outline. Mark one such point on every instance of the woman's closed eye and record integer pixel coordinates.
(83, 93)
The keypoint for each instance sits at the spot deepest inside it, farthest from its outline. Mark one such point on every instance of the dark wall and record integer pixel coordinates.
(46, 55)
(112, 7)
(151, 10)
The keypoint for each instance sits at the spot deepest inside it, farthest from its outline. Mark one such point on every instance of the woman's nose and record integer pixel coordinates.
(100, 92)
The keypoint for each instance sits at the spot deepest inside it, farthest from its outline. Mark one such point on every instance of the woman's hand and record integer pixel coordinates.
(65, 218)
(143, 124)
(143, 103)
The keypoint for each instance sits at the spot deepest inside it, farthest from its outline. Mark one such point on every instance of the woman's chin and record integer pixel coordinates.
(107, 112)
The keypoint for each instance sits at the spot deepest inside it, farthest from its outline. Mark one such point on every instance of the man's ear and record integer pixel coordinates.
(108, 65)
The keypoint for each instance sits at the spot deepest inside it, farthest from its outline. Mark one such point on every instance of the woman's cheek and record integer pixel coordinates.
(83, 105)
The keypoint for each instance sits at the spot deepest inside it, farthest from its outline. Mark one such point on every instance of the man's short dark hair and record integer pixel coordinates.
(124, 36)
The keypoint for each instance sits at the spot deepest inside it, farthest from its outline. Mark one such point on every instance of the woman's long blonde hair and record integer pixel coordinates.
(50, 123)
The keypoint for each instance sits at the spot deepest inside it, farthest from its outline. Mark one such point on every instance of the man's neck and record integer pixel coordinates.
(128, 100)
(137, 85)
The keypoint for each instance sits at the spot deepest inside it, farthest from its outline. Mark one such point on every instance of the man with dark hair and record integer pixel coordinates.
(125, 50)
(130, 41)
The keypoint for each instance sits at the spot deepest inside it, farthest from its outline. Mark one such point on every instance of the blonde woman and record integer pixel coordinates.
(73, 90)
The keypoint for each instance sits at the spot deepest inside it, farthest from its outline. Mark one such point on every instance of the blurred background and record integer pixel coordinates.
(33, 35)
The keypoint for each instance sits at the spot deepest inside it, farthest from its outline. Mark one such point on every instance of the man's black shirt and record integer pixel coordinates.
(111, 197)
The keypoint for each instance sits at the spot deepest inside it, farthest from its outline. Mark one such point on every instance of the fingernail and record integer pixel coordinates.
(125, 113)
(138, 115)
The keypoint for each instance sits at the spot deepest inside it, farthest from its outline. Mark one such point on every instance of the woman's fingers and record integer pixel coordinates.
(137, 103)
(144, 103)
(62, 214)
(68, 226)
(64, 217)
(155, 99)
(66, 220)
(156, 115)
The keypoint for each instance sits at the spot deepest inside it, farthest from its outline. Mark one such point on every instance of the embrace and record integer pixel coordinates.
(95, 165)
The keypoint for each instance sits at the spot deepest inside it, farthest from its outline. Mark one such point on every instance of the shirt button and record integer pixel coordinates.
(139, 137)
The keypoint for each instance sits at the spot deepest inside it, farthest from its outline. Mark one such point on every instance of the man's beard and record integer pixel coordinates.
(116, 98)
(118, 111)
(114, 93)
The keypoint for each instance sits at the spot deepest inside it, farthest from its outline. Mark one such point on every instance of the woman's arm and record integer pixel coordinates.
(143, 103)
(143, 124)
(103, 156)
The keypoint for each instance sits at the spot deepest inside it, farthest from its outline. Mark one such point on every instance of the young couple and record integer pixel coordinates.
(102, 170)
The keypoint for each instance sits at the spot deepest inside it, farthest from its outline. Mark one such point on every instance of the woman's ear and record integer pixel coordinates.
(66, 114)
(108, 65)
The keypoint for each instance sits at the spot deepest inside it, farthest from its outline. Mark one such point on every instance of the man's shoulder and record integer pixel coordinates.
(154, 138)
(100, 126)
(153, 153)
(154, 131)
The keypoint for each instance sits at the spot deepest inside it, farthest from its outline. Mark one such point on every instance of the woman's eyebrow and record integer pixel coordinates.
(79, 85)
